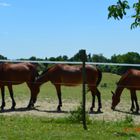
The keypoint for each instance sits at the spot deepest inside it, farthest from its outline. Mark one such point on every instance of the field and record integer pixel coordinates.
(42, 128)
(44, 122)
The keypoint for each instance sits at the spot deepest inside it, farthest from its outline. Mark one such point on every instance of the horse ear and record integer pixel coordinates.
(112, 92)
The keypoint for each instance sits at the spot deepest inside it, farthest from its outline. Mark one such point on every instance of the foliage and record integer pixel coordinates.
(130, 57)
(99, 58)
(2, 57)
(129, 120)
(76, 116)
(118, 11)
(78, 56)
(136, 16)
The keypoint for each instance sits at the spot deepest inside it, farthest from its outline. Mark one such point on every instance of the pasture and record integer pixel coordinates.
(42, 128)
(44, 122)
(71, 97)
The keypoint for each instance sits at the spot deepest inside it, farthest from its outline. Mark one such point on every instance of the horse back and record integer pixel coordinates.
(72, 75)
(17, 73)
(130, 79)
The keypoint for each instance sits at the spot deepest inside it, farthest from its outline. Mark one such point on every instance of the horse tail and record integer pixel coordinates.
(99, 77)
(98, 80)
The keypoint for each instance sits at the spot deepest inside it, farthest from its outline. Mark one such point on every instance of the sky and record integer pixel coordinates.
(50, 28)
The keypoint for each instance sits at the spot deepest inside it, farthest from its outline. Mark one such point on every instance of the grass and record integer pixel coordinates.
(42, 128)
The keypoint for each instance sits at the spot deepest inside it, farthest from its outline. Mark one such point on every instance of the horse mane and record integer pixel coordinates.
(45, 71)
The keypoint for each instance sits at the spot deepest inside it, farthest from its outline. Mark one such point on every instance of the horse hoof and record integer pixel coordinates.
(30, 106)
(137, 112)
(12, 108)
(113, 108)
(91, 111)
(2, 110)
(99, 111)
(59, 109)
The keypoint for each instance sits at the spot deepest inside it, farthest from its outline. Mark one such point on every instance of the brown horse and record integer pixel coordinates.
(13, 74)
(66, 75)
(131, 81)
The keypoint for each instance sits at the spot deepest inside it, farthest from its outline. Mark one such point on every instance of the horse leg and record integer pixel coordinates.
(132, 101)
(30, 104)
(93, 102)
(3, 98)
(136, 102)
(12, 96)
(99, 100)
(58, 89)
(34, 90)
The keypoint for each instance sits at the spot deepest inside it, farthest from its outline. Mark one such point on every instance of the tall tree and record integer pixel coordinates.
(77, 56)
(119, 10)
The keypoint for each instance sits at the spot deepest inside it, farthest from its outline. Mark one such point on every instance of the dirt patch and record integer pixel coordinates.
(48, 108)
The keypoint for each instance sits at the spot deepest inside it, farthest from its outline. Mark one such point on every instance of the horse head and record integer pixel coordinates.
(115, 100)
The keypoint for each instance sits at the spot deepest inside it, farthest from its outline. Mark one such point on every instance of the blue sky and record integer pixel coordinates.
(49, 28)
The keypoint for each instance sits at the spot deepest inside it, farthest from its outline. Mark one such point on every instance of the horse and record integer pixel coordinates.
(130, 80)
(71, 75)
(14, 74)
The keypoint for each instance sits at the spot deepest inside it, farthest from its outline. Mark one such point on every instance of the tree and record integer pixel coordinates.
(2, 57)
(99, 58)
(119, 10)
(130, 57)
(61, 58)
(33, 58)
(78, 56)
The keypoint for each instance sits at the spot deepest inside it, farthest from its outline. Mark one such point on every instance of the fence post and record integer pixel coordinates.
(84, 57)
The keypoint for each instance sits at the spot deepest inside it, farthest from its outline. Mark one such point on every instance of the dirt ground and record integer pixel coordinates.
(48, 108)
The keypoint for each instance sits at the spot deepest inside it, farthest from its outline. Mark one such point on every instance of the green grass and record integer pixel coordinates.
(42, 128)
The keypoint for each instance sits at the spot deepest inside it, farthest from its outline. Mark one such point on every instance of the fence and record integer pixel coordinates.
(83, 62)
(74, 63)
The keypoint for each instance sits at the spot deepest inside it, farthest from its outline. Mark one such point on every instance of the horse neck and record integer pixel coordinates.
(118, 91)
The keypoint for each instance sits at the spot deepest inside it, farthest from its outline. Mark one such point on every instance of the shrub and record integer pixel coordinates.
(76, 116)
